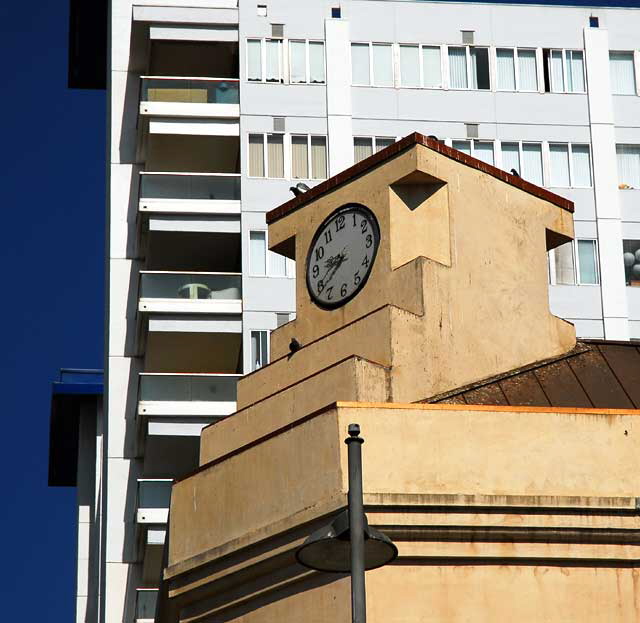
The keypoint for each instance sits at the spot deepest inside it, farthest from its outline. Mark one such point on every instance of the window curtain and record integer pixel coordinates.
(458, 68)
(463, 146)
(628, 157)
(409, 65)
(362, 148)
(360, 63)
(316, 61)
(275, 155)
(532, 162)
(565, 272)
(382, 142)
(511, 157)
(256, 155)
(575, 71)
(254, 59)
(581, 157)
(299, 158)
(557, 74)
(623, 77)
(382, 65)
(587, 261)
(559, 159)
(298, 70)
(273, 54)
(318, 157)
(527, 70)
(483, 150)
(277, 265)
(258, 252)
(431, 67)
(506, 70)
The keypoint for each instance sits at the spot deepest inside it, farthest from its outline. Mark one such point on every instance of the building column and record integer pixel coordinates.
(605, 183)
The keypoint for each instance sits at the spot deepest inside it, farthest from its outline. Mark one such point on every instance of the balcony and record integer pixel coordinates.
(146, 600)
(154, 497)
(190, 193)
(190, 293)
(206, 395)
(169, 96)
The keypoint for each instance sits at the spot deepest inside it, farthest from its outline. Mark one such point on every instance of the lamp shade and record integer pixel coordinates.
(329, 548)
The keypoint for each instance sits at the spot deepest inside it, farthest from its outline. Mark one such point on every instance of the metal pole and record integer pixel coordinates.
(356, 524)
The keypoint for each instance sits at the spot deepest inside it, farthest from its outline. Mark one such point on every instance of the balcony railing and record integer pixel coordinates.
(179, 90)
(168, 292)
(146, 600)
(165, 387)
(189, 187)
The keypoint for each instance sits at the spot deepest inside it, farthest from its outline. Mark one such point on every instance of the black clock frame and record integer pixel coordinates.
(376, 244)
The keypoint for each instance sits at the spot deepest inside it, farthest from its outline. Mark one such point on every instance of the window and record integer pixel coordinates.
(631, 257)
(420, 66)
(336, 12)
(469, 68)
(308, 154)
(264, 60)
(628, 157)
(270, 152)
(524, 158)
(623, 75)
(306, 62)
(570, 165)
(372, 64)
(574, 263)
(263, 262)
(365, 146)
(482, 150)
(564, 71)
(259, 349)
(262, 10)
(517, 70)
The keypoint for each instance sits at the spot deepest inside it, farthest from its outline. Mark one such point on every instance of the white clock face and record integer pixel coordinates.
(341, 255)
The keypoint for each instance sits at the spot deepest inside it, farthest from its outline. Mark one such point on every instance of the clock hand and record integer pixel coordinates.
(340, 258)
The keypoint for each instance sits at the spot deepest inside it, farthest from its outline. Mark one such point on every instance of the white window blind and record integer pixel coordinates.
(277, 264)
(299, 157)
(575, 71)
(511, 157)
(256, 155)
(527, 70)
(532, 162)
(581, 160)
(409, 65)
(463, 146)
(628, 157)
(258, 252)
(483, 150)
(275, 155)
(431, 67)
(360, 63)
(316, 62)
(587, 262)
(382, 65)
(273, 60)
(458, 68)
(382, 142)
(564, 265)
(318, 157)
(623, 77)
(506, 70)
(298, 68)
(254, 59)
(259, 349)
(362, 148)
(559, 161)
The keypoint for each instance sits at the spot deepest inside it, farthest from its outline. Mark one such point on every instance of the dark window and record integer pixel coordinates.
(545, 64)
(482, 68)
(335, 11)
(594, 22)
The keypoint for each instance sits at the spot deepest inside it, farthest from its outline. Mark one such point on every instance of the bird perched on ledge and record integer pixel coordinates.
(299, 188)
(294, 345)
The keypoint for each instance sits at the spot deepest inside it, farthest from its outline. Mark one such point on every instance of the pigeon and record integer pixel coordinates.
(514, 172)
(299, 188)
(294, 345)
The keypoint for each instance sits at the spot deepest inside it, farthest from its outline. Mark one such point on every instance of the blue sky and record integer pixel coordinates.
(51, 261)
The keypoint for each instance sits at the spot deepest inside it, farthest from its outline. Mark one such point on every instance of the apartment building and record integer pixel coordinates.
(218, 107)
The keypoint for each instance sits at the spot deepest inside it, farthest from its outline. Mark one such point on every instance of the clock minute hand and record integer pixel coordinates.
(340, 258)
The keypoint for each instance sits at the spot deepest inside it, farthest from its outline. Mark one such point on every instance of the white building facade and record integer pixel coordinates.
(217, 107)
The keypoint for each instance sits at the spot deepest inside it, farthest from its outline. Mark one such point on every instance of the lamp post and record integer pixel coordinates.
(348, 544)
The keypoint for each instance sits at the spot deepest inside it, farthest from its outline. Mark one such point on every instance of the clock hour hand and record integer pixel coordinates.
(339, 259)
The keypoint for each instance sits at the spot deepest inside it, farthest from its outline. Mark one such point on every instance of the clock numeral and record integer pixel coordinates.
(329, 291)
(355, 222)
(315, 271)
(369, 240)
(327, 236)
(363, 226)
(343, 290)
(356, 278)
(320, 286)
(365, 261)
(319, 253)
(340, 223)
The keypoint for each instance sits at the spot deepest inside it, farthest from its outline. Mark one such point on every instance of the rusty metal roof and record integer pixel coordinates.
(596, 373)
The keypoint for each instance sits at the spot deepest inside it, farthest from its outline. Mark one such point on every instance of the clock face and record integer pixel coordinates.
(341, 255)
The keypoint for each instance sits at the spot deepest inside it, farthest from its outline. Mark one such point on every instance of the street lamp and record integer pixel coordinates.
(348, 544)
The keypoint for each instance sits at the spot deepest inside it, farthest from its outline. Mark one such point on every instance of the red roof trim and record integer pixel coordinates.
(409, 141)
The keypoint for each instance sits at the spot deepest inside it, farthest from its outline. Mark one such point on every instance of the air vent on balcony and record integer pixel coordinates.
(278, 124)
(467, 37)
(472, 130)
(277, 30)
